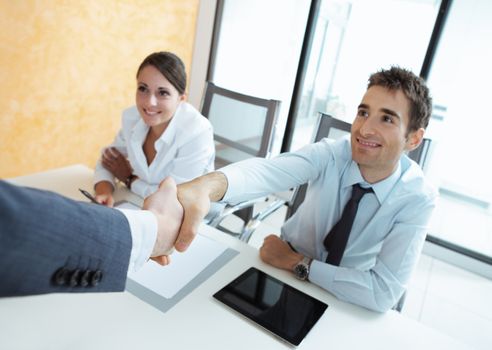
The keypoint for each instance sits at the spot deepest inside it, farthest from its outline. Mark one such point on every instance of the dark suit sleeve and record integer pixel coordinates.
(50, 244)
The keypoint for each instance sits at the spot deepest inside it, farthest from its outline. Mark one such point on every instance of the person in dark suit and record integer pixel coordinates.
(52, 244)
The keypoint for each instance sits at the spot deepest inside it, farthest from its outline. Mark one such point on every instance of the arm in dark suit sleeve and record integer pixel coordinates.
(49, 244)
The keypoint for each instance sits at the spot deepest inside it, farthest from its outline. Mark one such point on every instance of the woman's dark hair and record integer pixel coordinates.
(170, 66)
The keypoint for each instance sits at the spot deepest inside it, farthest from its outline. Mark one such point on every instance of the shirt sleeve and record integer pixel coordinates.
(100, 173)
(256, 177)
(143, 228)
(380, 287)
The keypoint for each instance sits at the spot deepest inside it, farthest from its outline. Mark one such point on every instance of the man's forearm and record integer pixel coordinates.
(213, 185)
(217, 185)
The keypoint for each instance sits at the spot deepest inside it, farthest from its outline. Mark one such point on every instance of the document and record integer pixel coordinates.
(126, 205)
(168, 280)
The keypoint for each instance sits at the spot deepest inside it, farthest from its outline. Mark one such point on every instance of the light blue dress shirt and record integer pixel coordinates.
(388, 231)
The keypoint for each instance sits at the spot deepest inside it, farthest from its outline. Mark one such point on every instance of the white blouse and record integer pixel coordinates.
(184, 151)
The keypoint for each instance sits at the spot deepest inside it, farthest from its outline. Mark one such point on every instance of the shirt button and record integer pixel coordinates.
(96, 278)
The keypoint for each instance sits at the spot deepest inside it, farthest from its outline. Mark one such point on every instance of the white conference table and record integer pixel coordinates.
(122, 321)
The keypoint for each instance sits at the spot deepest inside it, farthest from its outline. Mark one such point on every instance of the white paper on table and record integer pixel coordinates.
(169, 280)
(127, 205)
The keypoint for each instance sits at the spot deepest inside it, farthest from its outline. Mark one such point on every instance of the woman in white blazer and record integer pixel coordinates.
(161, 136)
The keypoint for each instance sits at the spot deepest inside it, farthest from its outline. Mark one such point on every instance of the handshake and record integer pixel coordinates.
(179, 211)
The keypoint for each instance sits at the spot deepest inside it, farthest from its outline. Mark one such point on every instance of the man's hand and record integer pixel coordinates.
(277, 253)
(169, 213)
(117, 163)
(195, 197)
(196, 204)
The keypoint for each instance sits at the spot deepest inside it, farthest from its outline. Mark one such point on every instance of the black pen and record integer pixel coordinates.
(88, 195)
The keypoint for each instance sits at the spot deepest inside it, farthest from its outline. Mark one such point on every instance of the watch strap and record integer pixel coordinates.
(129, 180)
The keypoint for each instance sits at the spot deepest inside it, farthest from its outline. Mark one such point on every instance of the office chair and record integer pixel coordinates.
(243, 125)
(243, 128)
(421, 153)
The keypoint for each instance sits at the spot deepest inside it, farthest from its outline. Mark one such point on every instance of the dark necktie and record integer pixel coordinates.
(336, 240)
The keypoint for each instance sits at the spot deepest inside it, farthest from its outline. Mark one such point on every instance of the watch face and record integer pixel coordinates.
(301, 271)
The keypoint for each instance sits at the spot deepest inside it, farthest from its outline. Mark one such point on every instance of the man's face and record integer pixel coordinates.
(379, 132)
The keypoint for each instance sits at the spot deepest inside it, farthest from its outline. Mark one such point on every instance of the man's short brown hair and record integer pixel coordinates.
(413, 87)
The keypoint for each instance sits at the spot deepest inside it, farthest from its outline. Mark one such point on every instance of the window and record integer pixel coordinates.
(258, 50)
(353, 39)
(461, 128)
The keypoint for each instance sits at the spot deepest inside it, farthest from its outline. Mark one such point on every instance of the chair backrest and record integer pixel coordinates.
(327, 127)
(419, 155)
(334, 129)
(243, 125)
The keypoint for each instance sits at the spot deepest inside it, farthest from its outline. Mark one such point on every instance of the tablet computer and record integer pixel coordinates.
(277, 307)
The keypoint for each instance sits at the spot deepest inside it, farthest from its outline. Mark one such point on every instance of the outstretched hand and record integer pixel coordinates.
(169, 213)
(196, 204)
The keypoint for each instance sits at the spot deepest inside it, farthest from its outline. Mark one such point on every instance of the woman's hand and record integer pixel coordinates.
(116, 163)
(104, 193)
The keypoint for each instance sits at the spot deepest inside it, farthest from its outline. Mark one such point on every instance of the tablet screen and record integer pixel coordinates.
(274, 305)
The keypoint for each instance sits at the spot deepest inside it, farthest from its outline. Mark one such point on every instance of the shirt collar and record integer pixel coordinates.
(381, 188)
(168, 136)
(141, 129)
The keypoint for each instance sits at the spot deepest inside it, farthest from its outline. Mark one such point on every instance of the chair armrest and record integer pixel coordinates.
(253, 224)
(219, 211)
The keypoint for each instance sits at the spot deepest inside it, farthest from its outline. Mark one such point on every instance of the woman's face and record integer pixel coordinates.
(156, 99)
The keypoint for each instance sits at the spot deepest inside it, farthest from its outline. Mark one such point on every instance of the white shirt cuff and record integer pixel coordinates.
(143, 227)
(235, 181)
(101, 174)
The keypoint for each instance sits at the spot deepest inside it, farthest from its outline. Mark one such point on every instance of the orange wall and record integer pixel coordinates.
(67, 69)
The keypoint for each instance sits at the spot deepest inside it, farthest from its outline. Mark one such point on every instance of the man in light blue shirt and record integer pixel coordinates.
(390, 226)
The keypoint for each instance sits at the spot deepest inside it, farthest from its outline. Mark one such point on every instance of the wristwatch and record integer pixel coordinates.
(129, 180)
(301, 269)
